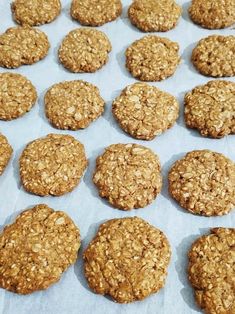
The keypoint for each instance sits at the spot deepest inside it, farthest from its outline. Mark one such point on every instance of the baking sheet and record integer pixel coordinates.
(87, 209)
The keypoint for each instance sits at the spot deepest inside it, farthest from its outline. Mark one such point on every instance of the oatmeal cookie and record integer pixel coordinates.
(128, 260)
(5, 153)
(52, 165)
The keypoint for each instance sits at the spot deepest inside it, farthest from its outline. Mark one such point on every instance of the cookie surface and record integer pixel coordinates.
(127, 260)
(35, 12)
(213, 14)
(51, 247)
(52, 165)
(84, 50)
(95, 12)
(128, 175)
(154, 15)
(214, 56)
(17, 95)
(203, 182)
(22, 46)
(210, 108)
(211, 271)
(152, 58)
(73, 104)
(145, 111)
(5, 153)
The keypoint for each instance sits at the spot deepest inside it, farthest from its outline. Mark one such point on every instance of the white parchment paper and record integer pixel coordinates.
(72, 295)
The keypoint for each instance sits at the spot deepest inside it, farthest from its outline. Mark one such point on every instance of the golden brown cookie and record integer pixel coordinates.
(211, 271)
(52, 165)
(84, 50)
(95, 12)
(128, 260)
(154, 15)
(214, 56)
(36, 249)
(210, 108)
(203, 182)
(128, 175)
(152, 58)
(35, 12)
(21, 46)
(5, 153)
(213, 14)
(73, 105)
(17, 95)
(145, 111)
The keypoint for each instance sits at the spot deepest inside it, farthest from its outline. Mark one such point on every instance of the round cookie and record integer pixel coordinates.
(22, 46)
(128, 260)
(84, 50)
(211, 271)
(17, 96)
(214, 56)
(52, 245)
(95, 12)
(203, 182)
(210, 108)
(73, 105)
(152, 58)
(128, 175)
(35, 12)
(145, 111)
(214, 14)
(154, 15)
(52, 165)
(5, 153)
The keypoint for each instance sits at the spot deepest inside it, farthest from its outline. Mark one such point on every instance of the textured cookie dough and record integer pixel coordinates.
(210, 108)
(84, 50)
(35, 12)
(95, 12)
(36, 249)
(73, 105)
(52, 165)
(127, 260)
(152, 58)
(22, 46)
(154, 15)
(203, 182)
(213, 14)
(17, 95)
(145, 111)
(128, 175)
(214, 56)
(211, 271)
(5, 153)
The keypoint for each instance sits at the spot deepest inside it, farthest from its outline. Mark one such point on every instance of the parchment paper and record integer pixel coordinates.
(72, 295)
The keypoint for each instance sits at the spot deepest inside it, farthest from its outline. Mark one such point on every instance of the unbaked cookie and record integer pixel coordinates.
(36, 249)
(210, 108)
(128, 175)
(5, 153)
(22, 46)
(52, 165)
(203, 182)
(213, 14)
(154, 15)
(73, 105)
(214, 56)
(152, 58)
(145, 111)
(128, 260)
(35, 12)
(17, 95)
(211, 271)
(84, 50)
(95, 12)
